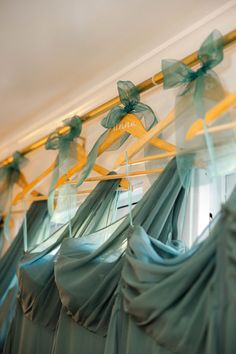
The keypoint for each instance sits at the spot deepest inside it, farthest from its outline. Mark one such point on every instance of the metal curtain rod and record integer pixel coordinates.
(191, 60)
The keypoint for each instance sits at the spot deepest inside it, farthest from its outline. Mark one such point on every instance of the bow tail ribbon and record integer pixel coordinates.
(67, 194)
(66, 158)
(92, 156)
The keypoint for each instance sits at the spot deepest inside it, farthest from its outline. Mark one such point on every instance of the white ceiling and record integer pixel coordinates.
(54, 49)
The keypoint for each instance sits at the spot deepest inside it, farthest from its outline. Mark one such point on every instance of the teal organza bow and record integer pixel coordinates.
(9, 175)
(176, 73)
(130, 99)
(66, 158)
(199, 91)
(58, 141)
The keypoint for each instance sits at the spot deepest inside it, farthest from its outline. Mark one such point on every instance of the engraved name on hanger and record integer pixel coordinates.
(125, 125)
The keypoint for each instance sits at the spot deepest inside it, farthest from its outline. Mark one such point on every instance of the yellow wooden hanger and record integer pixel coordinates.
(147, 138)
(34, 183)
(164, 155)
(138, 145)
(132, 125)
(129, 124)
(22, 182)
(111, 177)
(211, 116)
(82, 158)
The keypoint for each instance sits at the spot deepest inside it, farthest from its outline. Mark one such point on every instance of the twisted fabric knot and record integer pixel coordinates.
(193, 75)
(129, 108)
(57, 141)
(210, 54)
(11, 172)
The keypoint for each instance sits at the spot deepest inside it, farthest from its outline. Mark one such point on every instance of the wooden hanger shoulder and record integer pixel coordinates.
(146, 138)
(129, 124)
(132, 125)
(34, 183)
(82, 159)
(29, 186)
(211, 116)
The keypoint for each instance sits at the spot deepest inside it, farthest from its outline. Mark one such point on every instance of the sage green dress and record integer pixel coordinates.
(37, 219)
(32, 330)
(88, 270)
(174, 302)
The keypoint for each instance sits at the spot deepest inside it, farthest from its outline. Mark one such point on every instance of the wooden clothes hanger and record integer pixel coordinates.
(21, 195)
(130, 124)
(149, 158)
(22, 183)
(96, 179)
(82, 158)
(114, 176)
(123, 175)
(145, 139)
(212, 115)
(197, 128)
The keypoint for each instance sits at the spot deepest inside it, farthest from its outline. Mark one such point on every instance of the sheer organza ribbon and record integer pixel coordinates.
(9, 175)
(66, 158)
(199, 91)
(61, 142)
(130, 99)
(176, 73)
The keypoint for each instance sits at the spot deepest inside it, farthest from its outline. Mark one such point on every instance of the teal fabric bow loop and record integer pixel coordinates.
(130, 99)
(57, 141)
(200, 90)
(176, 73)
(128, 92)
(12, 170)
(130, 103)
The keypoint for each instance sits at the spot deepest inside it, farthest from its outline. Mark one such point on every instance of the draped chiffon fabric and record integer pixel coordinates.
(182, 303)
(33, 327)
(130, 290)
(88, 270)
(37, 217)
